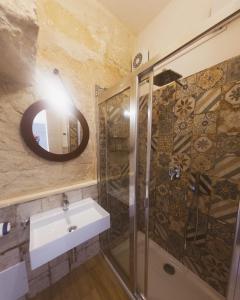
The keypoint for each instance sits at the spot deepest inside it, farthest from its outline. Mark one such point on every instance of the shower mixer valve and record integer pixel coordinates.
(175, 172)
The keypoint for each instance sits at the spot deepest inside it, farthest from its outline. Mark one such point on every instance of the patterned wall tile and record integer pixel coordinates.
(178, 214)
(233, 69)
(228, 144)
(208, 101)
(162, 144)
(202, 137)
(232, 96)
(215, 272)
(224, 210)
(205, 123)
(183, 126)
(181, 159)
(193, 264)
(212, 77)
(204, 204)
(196, 227)
(227, 167)
(163, 196)
(175, 244)
(205, 184)
(184, 107)
(192, 89)
(229, 114)
(202, 163)
(162, 174)
(182, 143)
(204, 144)
(225, 201)
(163, 159)
(226, 189)
(117, 121)
(165, 96)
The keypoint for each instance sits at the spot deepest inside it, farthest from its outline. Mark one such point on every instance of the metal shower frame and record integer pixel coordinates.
(132, 82)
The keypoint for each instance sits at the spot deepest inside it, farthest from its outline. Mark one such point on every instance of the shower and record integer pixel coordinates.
(169, 175)
(168, 76)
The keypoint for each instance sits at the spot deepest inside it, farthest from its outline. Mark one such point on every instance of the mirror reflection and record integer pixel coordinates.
(57, 133)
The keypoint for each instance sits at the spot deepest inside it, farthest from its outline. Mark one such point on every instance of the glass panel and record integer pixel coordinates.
(114, 172)
(141, 185)
(195, 173)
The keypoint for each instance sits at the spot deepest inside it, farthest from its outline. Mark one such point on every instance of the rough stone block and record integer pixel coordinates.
(18, 38)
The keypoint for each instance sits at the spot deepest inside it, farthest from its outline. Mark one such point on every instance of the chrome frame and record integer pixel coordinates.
(132, 82)
(234, 278)
(147, 191)
(133, 177)
(118, 276)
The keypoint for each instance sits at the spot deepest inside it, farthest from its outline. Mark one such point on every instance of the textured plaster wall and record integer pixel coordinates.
(89, 46)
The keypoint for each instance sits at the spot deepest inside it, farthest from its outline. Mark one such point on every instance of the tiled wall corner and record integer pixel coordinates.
(14, 246)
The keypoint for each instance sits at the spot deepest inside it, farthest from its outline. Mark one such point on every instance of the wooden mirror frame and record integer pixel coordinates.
(28, 137)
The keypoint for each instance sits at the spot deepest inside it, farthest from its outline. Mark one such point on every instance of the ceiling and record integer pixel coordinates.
(136, 14)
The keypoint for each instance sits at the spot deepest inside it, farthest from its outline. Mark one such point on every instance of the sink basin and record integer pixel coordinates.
(54, 232)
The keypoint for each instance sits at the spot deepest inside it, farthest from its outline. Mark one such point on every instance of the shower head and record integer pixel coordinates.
(166, 77)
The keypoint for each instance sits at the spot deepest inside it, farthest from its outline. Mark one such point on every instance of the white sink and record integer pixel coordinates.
(49, 231)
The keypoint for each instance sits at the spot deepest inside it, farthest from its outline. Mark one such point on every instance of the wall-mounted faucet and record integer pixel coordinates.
(175, 172)
(65, 202)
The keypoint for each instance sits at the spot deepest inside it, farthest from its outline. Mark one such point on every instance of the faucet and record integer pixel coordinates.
(65, 202)
(175, 172)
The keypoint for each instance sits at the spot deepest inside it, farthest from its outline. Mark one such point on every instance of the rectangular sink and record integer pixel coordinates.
(55, 232)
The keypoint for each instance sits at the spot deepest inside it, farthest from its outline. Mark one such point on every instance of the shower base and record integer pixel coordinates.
(182, 285)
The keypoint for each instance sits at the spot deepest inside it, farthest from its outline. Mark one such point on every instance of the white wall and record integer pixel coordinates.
(209, 52)
(180, 21)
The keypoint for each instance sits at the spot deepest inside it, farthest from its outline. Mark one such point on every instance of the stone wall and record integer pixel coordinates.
(18, 37)
(89, 46)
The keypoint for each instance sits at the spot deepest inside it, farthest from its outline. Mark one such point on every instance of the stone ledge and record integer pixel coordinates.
(47, 193)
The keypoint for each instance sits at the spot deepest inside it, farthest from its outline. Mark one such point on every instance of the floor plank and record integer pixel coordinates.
(93, 280)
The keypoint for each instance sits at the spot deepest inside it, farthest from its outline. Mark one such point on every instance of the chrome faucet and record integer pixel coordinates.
(65, 202)
(175, 172)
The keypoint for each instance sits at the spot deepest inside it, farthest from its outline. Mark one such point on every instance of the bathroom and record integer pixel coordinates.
(119, 149)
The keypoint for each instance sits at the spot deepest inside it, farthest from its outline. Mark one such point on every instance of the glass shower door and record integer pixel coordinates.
(193, 212)
(115, 152)
(169, 230)
(142, 182)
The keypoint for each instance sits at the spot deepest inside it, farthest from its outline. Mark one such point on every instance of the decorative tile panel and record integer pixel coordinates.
(195, 217)
(205, 123)
(212, 77)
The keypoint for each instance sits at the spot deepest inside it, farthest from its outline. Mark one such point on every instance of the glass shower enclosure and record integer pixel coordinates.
(169, 175)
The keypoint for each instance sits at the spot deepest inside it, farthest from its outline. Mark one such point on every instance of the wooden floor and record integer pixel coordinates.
(93, 280)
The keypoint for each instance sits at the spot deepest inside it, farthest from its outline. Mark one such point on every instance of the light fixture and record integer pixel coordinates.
(51, 89)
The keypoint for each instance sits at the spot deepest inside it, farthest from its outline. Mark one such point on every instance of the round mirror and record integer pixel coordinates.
(57, 133)
(52, 134)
